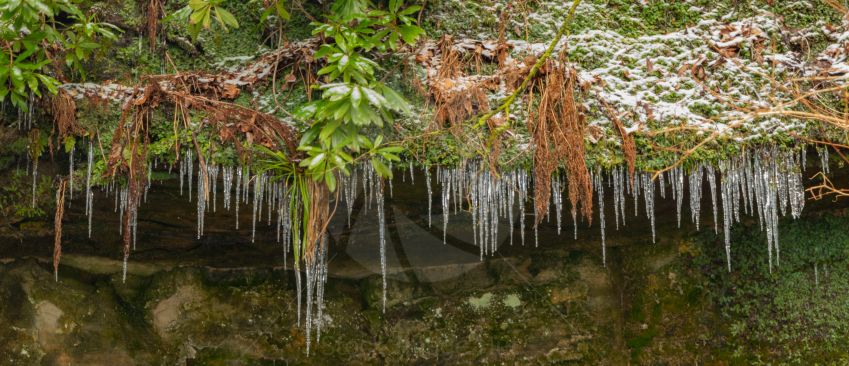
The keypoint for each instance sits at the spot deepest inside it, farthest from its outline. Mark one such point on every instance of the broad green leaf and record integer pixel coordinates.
(330, 180)
(89, 45)
(226, 17)
(394, 100)
(410, 10)
(198, 4)
(410, 33)
(356, 96)
(381, 168)
(316, 160)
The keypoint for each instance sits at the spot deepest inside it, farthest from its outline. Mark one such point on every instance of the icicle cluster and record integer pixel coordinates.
(766, 183)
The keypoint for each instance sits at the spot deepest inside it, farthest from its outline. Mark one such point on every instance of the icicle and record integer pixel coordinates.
(429, 196)
(711, 175)
(617, 185)
(88, 194)
(678, 190)
(523, 187)
(149, 177)
(556, 195)
(34, 179)
(648, 193)
(190, 171)
(201, 205)
(238, 192)
(695, 180)
(446, 200)
(381, 225)
(182, 173)
(227, 180)
(635, 190)
(212, 175)
(391, 194)
(598, 179)
(71, 176)
(257, 203)
(725, 189)
(823, 152)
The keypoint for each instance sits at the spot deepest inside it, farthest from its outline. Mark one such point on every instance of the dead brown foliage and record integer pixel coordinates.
(558, 131)
(63, 108)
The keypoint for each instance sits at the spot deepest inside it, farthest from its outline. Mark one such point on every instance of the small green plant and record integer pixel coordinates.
(352, 99)
(35, 34)
(198, 15)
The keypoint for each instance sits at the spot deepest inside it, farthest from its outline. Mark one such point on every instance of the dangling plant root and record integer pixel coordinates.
(64, 108)
(154, 11)
(629, 148)
(57, 226)
(558, 133)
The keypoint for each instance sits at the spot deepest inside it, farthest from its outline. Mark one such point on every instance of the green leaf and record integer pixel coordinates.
(89, 45)
(394, 100)
(356, 96)
(281, 11)
(330, 180)
(374, 97)
(381, 168)
(328, 130)
(410, 33)
(394, 5)
(316, 160)
(69, 143)
(198, 15)
(198, 4)
(41, 7)
(226, 17)
(410, 10)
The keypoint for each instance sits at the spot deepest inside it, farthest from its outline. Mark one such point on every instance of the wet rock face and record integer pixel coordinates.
(651, 304)
(250, 315)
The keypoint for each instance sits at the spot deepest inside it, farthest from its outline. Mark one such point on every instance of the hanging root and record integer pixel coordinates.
(154, 13)
(319, 217)
(558, 134)
(63, 108)
(57, 226)
(629, 149)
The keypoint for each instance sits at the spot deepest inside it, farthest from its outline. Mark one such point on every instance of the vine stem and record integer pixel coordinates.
(505, 104)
